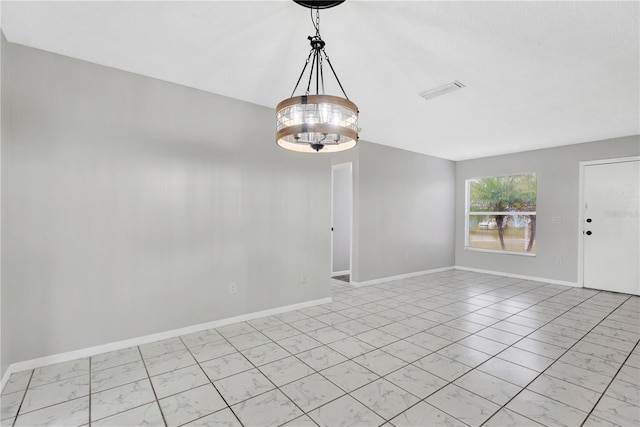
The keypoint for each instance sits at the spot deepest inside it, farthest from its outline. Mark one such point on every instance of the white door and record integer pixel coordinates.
(611, 231)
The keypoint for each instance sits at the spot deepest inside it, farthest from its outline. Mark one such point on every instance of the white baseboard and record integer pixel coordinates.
(118, 345)
(340, 273)
(399, 277)
(520, 276)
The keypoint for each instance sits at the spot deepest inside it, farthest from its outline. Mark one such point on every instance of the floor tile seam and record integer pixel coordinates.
(24, 396)
(386, 420)
(607, 388)
(537, 376)
(544, 371)
(155, 395)
(61, 379)
(212, 384)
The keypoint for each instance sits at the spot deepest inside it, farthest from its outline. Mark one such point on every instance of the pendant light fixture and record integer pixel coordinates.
(317, 123)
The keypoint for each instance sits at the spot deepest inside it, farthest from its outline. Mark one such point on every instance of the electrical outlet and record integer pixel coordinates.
(303, 279)
(233, 288)
(558, 261)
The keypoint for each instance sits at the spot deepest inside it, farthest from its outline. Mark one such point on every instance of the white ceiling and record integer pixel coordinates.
(537, 74)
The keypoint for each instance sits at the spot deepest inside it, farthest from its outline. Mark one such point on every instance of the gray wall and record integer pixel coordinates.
(557, 170)
(404, 212)
(342, 210)
(129, 204)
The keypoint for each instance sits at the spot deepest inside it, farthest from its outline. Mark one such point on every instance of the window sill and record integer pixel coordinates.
(492, 251)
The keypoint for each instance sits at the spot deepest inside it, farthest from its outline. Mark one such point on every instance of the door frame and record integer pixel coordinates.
(581, 202)
(349, 166)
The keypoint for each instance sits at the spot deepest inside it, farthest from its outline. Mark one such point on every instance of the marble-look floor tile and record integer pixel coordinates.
(579, 376)
(442, 367)
(234, 329)
(567, 393)
(303, 421)
(321, 357)
(53, 393)
(59, 371)
(491, 388)
(222, 418)
(507, 418)
(118, 375)
(115, 358)
(250, 340)
(541, 348)
(17, 382)
(545, 410)
(200, 338)
(162, 347)
(377, 338)
(344, 411)
(625, 392)
(448, 333)
(500, 336)
(352, 327)
(308, 324)
(211, 350)
(405, 350)
(191, 405)
(590, 363)
(286, 370)
(299, 343)
(484, 345)
(327, 335)
(71, 413)
(263, 323)
(464, 355)
(380, 362)
(243, 386)
(617, 412)
(417, 416)
(311, 392)
(526, 359)
(120, 399)
(264, 354)
(463, 405)
(601, 351)
(550, 338)
(281, 332)
(629, 374)
(505, 370)
(349, 375)
(177, 381)
(385, 398)
(400, 330)
(225, 366)
(169, 362)
(593, 421)
(146, 415)
(272, 408)
(351, 347)
(10, 404)
(416, 381)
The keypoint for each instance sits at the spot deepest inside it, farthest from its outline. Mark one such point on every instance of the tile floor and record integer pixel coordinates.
(453, 348)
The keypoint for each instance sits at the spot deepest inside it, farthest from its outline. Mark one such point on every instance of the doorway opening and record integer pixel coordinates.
(341, 221)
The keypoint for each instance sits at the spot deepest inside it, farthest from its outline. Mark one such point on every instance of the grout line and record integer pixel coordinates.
(613, 378)
(15, 419)
(152, 387)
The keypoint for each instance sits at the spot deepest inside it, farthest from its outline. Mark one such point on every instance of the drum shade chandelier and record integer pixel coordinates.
(317, 123)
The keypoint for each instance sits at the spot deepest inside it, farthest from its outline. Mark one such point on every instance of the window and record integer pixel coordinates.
(501, 214)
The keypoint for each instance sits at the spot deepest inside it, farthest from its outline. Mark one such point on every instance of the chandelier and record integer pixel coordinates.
(314, 123)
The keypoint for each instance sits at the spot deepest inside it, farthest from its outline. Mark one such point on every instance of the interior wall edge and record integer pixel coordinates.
(520, 276)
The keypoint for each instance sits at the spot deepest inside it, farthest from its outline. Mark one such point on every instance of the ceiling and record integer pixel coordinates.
(537, 74)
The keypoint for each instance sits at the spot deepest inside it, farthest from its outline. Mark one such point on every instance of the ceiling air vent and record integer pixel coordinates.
(441, 90)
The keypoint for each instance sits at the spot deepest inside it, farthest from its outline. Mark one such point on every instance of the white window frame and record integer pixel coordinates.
(467, 196)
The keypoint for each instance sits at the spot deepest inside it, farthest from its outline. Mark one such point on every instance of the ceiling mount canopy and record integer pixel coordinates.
(311, 4)
(313, 123)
